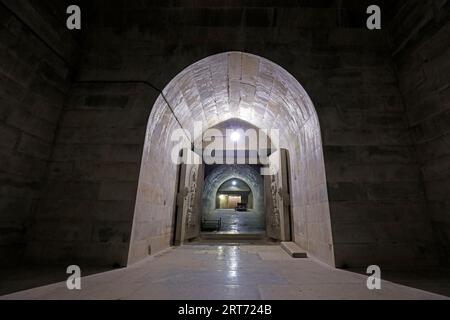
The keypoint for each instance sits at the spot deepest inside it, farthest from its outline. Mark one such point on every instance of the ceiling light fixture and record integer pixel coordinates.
(235, 136)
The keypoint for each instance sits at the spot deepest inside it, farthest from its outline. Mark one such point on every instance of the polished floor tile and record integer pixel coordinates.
(235, 272)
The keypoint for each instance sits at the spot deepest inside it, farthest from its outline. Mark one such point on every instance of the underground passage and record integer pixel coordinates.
(233, 197)
(189, 150)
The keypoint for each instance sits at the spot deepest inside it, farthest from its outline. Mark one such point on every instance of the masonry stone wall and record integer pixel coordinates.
(36, 57)
(421, 42)
(86, 211)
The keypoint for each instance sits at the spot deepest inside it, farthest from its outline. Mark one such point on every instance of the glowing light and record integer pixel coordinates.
(235, 136)
(234, 183)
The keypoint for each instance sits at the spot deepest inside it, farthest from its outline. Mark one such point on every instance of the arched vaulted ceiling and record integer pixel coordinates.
(237, 85)
(243, 86)
(233, 185)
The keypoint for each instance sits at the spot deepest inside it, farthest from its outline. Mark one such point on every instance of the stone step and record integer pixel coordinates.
(232, 236)
(294, 250)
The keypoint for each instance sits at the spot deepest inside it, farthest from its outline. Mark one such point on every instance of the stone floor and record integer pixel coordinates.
(205, 272)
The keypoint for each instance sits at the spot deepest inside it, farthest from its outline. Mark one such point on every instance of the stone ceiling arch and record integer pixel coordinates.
(234, 85)
(234, 185)
(237, 85)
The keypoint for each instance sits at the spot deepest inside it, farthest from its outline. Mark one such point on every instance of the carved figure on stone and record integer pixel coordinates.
(191, 198)
(276, 211)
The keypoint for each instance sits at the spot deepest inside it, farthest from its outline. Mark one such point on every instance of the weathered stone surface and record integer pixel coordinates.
(94, 172)
(423, 63)
(34, 80)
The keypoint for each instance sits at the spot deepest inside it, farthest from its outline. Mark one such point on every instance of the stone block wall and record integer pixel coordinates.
(376, 196)
(157, 194)
(421, 42)
(86, 211)
(36, 56)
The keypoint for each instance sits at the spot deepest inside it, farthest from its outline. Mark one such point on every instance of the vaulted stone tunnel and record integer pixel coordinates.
(255, 90)
(87, 117)
(222, 174)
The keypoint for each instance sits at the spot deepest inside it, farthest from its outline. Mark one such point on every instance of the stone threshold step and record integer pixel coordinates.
(231, 236)
(294, 250)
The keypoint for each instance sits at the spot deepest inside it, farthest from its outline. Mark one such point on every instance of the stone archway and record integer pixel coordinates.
(214, 90)
(236, 191)
(224, 173)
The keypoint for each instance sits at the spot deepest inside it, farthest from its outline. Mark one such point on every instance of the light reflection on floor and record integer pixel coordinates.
(236, 272)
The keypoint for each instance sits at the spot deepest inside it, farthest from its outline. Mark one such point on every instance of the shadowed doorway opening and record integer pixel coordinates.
(233, 200)
(223, 91)
(236, 195)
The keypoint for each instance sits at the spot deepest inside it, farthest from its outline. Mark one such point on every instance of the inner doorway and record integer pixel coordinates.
(233, 200)
(234, 194)
(216, 93)
(278, 198)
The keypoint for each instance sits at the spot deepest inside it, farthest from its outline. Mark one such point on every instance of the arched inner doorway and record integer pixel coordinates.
(212, 91)
(234, 194)
(246, 213)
